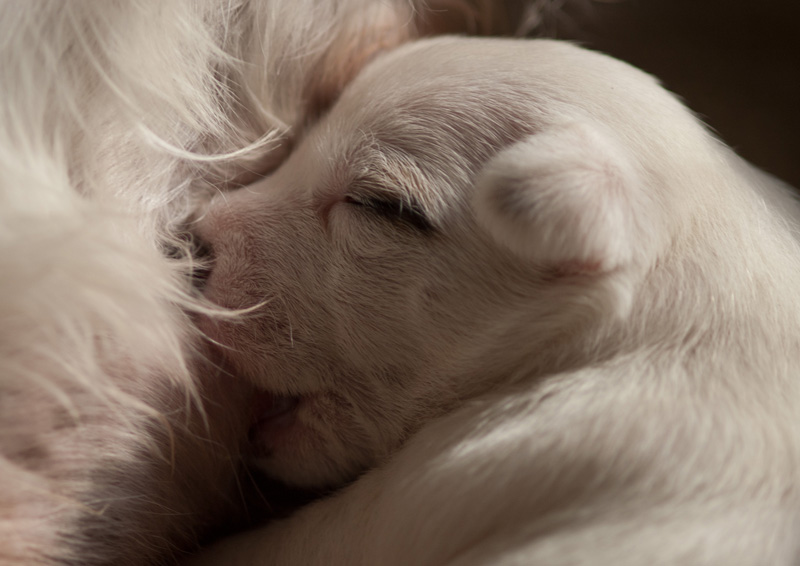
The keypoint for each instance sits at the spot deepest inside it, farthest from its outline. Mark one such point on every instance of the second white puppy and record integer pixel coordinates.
(521, 279)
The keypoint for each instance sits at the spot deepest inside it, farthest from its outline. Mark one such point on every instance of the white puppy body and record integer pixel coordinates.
(523, 282)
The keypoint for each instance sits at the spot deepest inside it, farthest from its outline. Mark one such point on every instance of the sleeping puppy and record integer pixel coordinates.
(118, 442)
(523, 284)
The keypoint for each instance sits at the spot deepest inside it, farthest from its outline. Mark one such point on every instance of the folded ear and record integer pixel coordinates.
(568, 197)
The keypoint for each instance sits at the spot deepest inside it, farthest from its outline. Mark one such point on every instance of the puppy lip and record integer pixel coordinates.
(271, 413)
(274, 423)
(271, 406)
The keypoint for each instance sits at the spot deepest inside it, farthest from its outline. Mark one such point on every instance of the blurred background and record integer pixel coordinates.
(736, 63)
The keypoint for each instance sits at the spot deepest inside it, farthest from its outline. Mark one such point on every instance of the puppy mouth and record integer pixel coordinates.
(273, 415)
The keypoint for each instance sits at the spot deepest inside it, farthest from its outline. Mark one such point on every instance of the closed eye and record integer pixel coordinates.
(393, 209)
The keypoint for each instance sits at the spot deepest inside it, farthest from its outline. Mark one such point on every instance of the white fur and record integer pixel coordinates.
(115, 119)
(590, 357)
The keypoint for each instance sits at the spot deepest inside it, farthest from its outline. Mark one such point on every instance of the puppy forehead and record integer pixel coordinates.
(454, 75)
(411, 125)
(416, 99)
(473, 87)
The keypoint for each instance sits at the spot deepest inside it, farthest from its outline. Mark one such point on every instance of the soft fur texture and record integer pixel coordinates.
(115, 119)
(523, 282)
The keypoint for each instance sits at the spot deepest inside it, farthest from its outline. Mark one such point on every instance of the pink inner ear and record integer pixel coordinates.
(378, 27)
(565, 198)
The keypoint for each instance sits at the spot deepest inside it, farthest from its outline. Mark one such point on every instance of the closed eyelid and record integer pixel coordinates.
(394, 209)
(376, 174)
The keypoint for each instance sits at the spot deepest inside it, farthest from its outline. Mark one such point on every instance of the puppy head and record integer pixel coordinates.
(465, 213)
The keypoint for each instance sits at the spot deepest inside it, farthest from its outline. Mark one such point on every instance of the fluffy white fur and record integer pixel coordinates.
(115, 118)
(524, 284)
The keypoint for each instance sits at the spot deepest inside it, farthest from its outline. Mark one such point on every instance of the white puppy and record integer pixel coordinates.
(115, 118)
(558, 317)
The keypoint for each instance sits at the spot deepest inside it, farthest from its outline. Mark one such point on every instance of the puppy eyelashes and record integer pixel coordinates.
(392, 209)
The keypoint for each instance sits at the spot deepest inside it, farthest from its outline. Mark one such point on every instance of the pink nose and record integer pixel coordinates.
(220, 246)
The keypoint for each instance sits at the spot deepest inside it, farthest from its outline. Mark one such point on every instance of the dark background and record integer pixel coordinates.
(734, 62)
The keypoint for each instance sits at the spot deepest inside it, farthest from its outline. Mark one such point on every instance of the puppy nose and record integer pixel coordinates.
(208, 239)
(216, 237)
